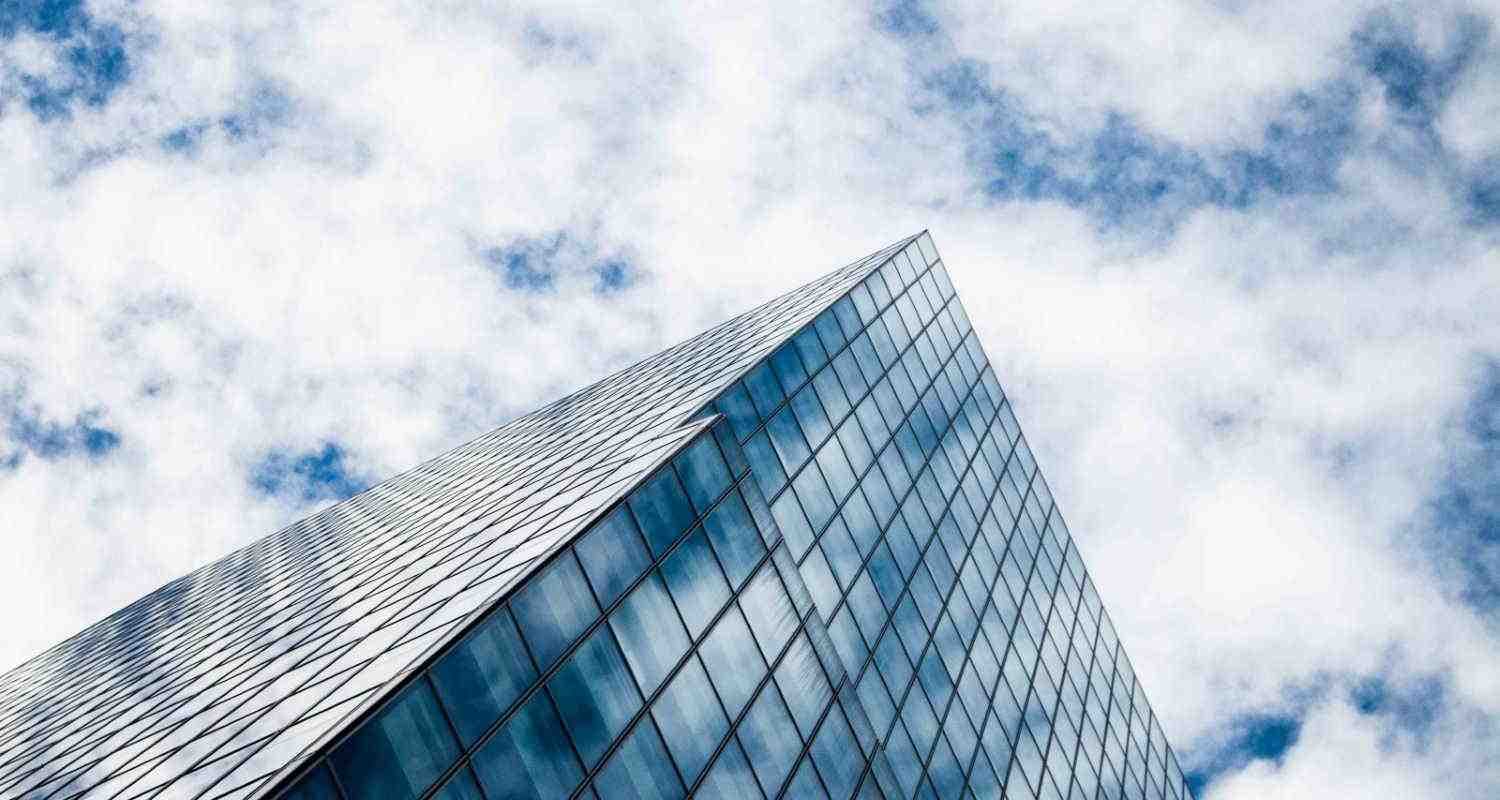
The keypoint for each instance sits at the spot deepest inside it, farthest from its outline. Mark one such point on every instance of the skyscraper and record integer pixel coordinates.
(806, 553)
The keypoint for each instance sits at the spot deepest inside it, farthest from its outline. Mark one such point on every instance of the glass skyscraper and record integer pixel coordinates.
(804, 554)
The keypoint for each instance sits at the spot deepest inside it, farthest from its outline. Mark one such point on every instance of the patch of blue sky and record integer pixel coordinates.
(1259, 736)
(534, 264)
(319, 474)
(31, 433)
(1463, 537)
(93, 52)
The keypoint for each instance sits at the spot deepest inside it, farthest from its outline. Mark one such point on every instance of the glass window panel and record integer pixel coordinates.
(831, 393)
(650, 632)
(401, 751)
(703, 472)
(765, 392)
(733, 661)
(479, 679)
(613, 554)
(765, 464)
(661, 507)
(733, 454)
(805, 784)
(863, 302)
(848, 317)
(554, 608)
(316, 785)
(786, 437)
(829, 330)
(856, 447)
(811, 416)
(810, 348)
(817, 499)
(736, 406)
(769, 737)
(820, 581)
(730, 778)
(834, 751)
(639, 770)
(789, 368)
(694, 578)
(595, 694)
(850, 375)
(836, 469)
(843, 555)
(734, 538)
(793, 524)
(803, 684)
(769, 611)
(690, 719)
(461, 786)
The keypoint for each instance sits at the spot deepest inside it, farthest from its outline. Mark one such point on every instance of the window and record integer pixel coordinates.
(661, 508)
(650, 632)
(766, 736)
(690, 719)
(639, 770)
(595, 694)
(694, 578)
(554, 608)
(703, 472)
(479, 679)
(613, 554)
(734, 538)
(400, 752)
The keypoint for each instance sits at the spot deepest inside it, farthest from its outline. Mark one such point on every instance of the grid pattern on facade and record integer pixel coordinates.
(219, 680)
(670, 650)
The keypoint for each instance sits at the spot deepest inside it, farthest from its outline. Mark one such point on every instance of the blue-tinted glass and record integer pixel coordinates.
(461, 786)
(690, 719)
(814, 355)
(662, 510)
(316, 785)
(399, 752)
(765, 464)
(863, 303)
(786, 437)
(554, 608)
(703, 472)
(835, 753)
(764, 390)
(842, 554)
(805, 785)
(769, 737)
(769, 611)
(639, 770)
(735, 404)
(730, 777)
(831, 392)
(817, 499)
(733, 454)
(788, 366)
(803, 684)
(734, 538)
(595, 693)
(734, 662)
(836, 469)
(650, 632)
(613, 554)
(479, 679)
(695, 580)
(828, 330)
(810, 415)
(793, 524)
(849, 319)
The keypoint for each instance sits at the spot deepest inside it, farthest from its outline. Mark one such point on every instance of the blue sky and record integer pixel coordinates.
(1235, 263)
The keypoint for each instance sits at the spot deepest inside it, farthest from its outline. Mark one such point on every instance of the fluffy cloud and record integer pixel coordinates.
(1234, 265)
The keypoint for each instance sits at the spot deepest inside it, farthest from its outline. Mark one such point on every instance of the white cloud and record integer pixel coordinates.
(1242, 419)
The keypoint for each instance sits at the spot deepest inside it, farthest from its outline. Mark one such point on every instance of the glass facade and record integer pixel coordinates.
(821, 563)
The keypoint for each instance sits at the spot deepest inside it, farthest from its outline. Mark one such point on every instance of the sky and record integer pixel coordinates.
(1235, 264)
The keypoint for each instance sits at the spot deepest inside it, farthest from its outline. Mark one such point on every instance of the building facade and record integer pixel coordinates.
(805, 554)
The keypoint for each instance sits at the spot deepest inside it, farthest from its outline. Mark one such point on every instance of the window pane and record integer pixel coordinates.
(769, 611)
(316, 785)
(703, 472)
(803, 684)
(595, 694)
(613, 554)
(479, 679)
(734, 538)
(690, 719)
(554, 609)
(400, 752)
(788, 366)
(786, 437)
(733, 661)
(810, 414)
(765, 464)
(768, 736)
(730, 778)
(805, 785)
(789, 518)
(662, 509)
(530, 757)
(460, 787)
(695, 580)
(736, 406)
(639, 770)
(835, 753)
(765, 392)
(649, 631)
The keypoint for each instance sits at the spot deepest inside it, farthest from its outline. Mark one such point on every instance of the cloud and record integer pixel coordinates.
(1233, 263)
